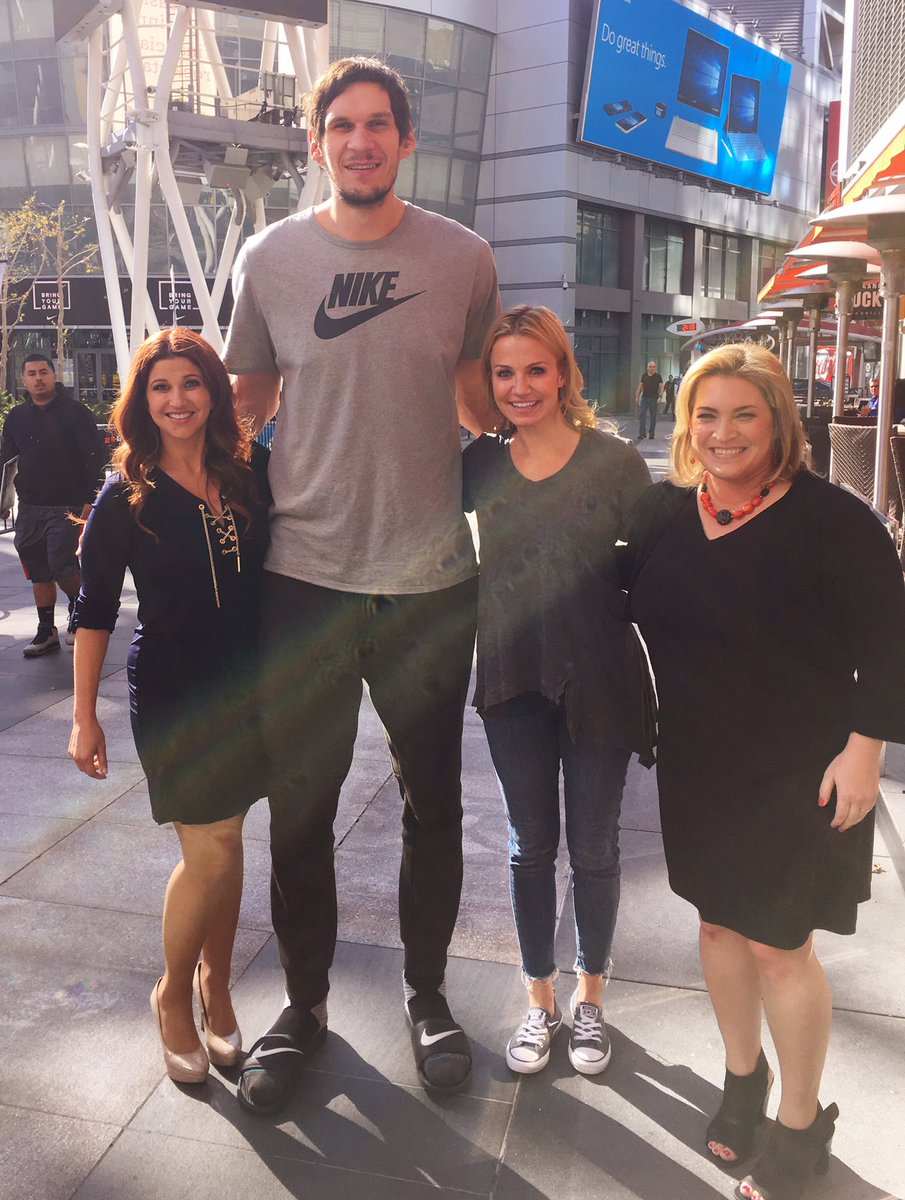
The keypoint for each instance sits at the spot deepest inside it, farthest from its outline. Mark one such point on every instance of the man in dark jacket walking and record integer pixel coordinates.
(61, 452)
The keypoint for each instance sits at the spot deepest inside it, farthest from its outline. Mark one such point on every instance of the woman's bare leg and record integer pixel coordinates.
(734, 985)
(200, 909)
(799, 1009)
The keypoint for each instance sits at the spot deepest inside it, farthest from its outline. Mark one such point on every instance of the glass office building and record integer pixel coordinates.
(619, 247)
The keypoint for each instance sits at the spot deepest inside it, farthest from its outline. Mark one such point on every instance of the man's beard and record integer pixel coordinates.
(371, 199)
(368, 200)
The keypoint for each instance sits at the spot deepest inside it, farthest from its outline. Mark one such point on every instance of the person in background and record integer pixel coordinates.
(647, 397)
(669, 396)
(186, 512)
(772, 605)
(558, 684)
(61, 453)
(873, 397)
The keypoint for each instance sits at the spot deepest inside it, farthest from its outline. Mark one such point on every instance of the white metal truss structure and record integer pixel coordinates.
(161, 111)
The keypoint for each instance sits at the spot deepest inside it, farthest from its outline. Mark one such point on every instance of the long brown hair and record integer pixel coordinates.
(227, 441)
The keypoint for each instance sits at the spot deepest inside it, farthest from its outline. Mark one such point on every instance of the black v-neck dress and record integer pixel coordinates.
(769, 646)
(192, 662)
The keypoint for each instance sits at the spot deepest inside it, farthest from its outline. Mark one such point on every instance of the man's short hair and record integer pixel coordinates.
(345, 72)
(36, 357)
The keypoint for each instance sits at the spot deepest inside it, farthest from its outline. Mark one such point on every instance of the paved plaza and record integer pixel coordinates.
(87, 1112)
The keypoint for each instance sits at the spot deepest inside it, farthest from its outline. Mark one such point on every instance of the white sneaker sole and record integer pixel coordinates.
(526, 1068)
(583, 1067)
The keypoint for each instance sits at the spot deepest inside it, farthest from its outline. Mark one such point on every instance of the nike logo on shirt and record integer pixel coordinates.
(330, 327)
(367, 291)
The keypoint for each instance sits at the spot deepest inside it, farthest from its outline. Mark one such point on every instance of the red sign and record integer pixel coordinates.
(831, 166)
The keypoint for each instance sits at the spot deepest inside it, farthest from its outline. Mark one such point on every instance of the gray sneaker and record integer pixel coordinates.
(529, 1047)
(45, 639)
(589, 1046)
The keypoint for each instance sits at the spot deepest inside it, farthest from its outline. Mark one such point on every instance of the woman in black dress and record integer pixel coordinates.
(558, 685)
(186, 512)
(772, 606)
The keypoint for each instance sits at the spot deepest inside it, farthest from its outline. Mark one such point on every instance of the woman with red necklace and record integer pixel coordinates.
(773, 609)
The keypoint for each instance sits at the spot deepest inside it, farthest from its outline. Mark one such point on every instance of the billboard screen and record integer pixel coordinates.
(665, 84)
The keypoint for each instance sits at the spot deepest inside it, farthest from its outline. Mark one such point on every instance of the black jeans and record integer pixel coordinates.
(415, 652)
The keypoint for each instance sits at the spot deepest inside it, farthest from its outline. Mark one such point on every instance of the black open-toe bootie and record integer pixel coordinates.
(742, 1110)
(790, 1158)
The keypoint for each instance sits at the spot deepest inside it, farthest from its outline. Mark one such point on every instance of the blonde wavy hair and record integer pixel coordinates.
(542, 324)
(748, 361)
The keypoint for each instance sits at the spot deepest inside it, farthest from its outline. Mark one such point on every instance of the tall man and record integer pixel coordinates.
(647, 397)
(370, 314)
(61, 452)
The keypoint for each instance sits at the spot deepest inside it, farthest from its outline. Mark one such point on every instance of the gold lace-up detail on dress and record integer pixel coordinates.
(226, 533)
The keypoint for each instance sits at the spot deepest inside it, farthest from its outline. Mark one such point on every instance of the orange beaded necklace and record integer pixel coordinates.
(725, 515)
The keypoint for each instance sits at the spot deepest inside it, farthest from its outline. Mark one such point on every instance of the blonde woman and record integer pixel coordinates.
(558, 687)
(772, 606)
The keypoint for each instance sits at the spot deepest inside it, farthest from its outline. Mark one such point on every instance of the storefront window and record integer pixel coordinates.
(405, 34)
(658, 346)
(722, 254)
(438, 107)
(74, 79)
(12, 164)
(48, 160)
(770, 256)
(664, 254)
(474, 68)
(463, 186)
(38, 88)
(599, 246)
(431, 180)
(469, 121)
(5, 35)
(32, 19)
(444, 48)
(405, 179)
(597, 348)
(359, 29)
(9, 105)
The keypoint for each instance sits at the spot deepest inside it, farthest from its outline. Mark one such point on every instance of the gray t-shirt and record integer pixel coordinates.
(366, 462)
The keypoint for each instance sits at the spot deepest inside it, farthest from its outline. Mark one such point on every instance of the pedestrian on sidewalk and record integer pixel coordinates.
(772, 605)
(186, 512)
(370, 314)
(669, 397)
(61, 453)
(647, 398)
(560, 681)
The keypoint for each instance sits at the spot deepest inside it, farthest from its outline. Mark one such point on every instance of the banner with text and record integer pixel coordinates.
(665, 84)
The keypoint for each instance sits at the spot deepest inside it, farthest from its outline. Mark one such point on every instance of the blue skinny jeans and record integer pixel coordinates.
(529, 742)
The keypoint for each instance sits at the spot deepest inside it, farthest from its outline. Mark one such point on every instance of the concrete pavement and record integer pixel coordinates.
(85, 1108)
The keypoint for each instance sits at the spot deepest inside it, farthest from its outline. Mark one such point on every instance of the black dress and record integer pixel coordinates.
(756, 639)
(192, 661)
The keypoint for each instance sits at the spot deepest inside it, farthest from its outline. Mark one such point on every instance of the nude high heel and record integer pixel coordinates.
(182, 1068)
(222, 1051)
